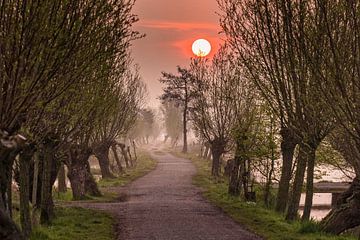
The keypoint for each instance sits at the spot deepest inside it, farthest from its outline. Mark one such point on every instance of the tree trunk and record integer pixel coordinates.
(91, 187)
(77, 170)
(46, 206)
(217, 149)
(185, 147)
(130, 157)
(6, 164)
(124, 153)
(288, 145)
(237, 171)
(235, 177)
(201, 150)
(76, 176)
(24, 165)
(8, 229)
(206, 151)
(102, 154)
(12, 157)
(346, 213)
(35, 178)
(62, 179)
(293, 208)
(134, 148)
(269, 181)
(117, 159)
(309, 185)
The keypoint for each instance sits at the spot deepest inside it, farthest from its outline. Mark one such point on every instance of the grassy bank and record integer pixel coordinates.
(79, 223)
(144, 165)
(76, 223)
(254, 216)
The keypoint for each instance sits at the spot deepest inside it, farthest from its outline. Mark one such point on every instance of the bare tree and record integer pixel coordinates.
(172, 120)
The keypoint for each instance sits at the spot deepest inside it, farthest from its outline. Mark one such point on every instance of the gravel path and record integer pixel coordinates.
(164, 205)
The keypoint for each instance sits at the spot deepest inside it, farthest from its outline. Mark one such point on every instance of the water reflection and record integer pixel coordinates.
(321, 205)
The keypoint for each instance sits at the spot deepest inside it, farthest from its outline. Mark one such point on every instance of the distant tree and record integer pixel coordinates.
(123, 98)
(179, 88)
(149, 120)
(172, 120)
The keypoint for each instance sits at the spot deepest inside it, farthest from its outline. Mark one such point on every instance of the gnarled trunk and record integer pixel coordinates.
(288, 145)
(101, 152)
(24, 165)
(237, 172)
(81, 179)
(91, 187)
(78, 170)
(293, 208)
(8, 229)
(235, 179)
(124, 153)
(117, 159)
(217, 149)
(345, 214)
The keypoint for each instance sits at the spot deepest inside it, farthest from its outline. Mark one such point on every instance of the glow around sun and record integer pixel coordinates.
(201, 47)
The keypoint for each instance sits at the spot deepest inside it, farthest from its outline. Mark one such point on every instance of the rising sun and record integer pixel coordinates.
(201, 48)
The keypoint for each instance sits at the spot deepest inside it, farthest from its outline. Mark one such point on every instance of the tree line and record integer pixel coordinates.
(69, 89)
(285, 82)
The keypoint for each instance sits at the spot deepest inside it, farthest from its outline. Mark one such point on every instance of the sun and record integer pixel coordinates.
(201, 48)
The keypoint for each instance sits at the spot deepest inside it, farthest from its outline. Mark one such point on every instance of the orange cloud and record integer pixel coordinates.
(182, 26)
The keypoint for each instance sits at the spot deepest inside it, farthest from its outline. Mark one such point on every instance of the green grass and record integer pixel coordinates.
(61, 198)
(144, 165)
(254, 216)
(76, 223)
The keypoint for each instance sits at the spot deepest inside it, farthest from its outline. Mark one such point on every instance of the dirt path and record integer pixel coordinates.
(164, 205)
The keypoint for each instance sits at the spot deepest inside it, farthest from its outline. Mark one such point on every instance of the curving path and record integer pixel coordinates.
(164, 205)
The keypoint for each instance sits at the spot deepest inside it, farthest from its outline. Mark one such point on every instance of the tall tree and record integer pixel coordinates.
(179, 88)
(336, 28)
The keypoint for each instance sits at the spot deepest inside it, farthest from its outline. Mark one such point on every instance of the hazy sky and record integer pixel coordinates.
(171, 26)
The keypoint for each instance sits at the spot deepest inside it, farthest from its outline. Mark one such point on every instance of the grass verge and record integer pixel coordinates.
(80, 223)
(144, 165)
(258, 219)
(76, 223)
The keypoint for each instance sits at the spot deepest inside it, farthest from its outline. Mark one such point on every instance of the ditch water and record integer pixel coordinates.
(319, 199)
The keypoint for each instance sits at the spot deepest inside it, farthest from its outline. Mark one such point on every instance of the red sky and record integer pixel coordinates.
(171, 26)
